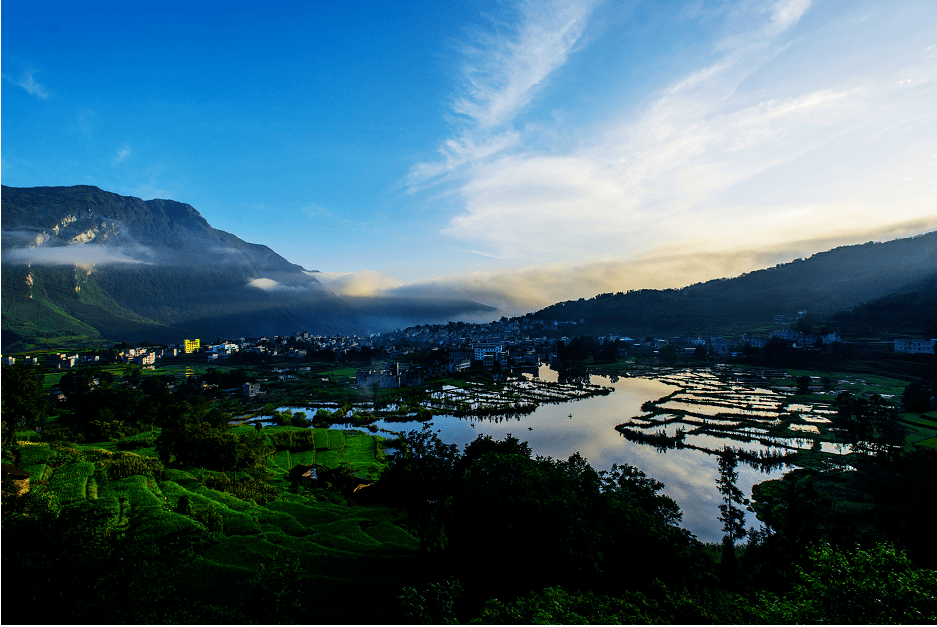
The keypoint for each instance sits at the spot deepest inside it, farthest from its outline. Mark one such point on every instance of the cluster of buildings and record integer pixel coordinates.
(146, 356)
(393, 375)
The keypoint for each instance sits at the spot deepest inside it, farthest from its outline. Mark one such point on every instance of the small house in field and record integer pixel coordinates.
(305, 475)
(16, 478)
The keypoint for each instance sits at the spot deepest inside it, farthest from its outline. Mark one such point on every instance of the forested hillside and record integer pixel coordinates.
(839, 279)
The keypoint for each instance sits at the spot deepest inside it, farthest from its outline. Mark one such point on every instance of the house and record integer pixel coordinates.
(145, 359)
(17, 478)
(915, 346)
(382, 378)
(250, 390)
(57, 361)
(489, 352)
(305, 475)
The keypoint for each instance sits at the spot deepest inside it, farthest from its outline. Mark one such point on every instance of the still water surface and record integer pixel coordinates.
(689, 476)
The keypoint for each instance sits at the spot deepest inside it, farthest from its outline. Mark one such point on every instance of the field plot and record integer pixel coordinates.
(922, 429)
(69, 482)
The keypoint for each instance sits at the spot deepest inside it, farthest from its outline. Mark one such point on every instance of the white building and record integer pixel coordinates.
(250, 389)
(914, 346)
(145, 358)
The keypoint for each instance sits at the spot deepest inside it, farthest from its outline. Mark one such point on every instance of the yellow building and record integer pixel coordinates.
(192, 346)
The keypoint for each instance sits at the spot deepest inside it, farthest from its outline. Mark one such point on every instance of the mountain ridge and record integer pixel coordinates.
(826, 282)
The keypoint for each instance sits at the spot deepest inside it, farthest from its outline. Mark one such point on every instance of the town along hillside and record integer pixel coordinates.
(838, 279)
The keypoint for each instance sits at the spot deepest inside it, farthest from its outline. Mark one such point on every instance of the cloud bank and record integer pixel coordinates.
(79, 255)
(516, 291)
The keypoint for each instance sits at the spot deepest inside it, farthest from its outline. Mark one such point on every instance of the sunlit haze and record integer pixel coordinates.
(516, 154)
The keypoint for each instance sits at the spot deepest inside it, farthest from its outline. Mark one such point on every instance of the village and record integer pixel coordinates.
(411, 356)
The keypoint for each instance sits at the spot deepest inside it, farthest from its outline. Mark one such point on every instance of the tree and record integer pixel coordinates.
(420, 479)
(430, 604)
(917, 398)
(23, 403)
(858, 586)
(870, 425)
(732, 516)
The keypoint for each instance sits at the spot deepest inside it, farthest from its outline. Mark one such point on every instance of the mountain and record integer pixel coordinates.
(827, 282)
(82, 260)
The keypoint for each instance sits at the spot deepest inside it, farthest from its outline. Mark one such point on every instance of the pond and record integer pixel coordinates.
(588, 426)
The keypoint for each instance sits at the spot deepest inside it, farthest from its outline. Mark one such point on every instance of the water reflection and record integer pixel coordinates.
(588, 426)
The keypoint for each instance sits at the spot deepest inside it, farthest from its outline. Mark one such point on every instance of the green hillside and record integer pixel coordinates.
(234, 540)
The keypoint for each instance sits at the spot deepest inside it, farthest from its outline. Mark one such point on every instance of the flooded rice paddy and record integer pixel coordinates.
(670, 424)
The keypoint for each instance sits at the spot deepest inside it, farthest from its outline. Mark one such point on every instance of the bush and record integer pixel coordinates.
(131, 445)
(247, 488)
(875, 586)
(208, 514)
(293, 440)
(126, 464)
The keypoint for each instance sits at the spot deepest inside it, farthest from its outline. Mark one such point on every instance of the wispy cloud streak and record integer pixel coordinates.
(27, 81)
(500, 76)
(808, 125)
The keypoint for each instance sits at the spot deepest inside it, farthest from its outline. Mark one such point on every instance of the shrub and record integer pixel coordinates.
(207, 514)
(293, 440)
(131, 445)
(246, 488)
(126, 464)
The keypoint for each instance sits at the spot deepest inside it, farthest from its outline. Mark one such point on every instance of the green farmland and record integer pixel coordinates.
(236, 543)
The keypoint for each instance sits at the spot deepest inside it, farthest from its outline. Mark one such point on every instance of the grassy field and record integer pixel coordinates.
(922, 428)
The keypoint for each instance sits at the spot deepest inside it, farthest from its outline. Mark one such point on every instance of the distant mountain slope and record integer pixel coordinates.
(82, 260)
(826, 282)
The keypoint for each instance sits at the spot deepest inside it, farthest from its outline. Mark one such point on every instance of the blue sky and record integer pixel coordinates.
(514, 153)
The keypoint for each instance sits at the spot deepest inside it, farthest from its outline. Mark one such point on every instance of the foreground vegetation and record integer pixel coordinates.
(146, 506)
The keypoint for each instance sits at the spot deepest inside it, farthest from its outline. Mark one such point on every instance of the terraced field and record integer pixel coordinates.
(342, 546)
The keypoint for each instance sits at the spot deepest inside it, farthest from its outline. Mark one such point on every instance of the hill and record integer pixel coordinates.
(827, 282)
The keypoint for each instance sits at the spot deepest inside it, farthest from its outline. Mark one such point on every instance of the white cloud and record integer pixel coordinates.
(28, 82)
(122, 154)
(826, 127)
(501, 74)
(272, 285)
(786, 13)
(266, 285)
(315, 210)
(518, 290)
(499, 78)
(80, 255)
(361, 283)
